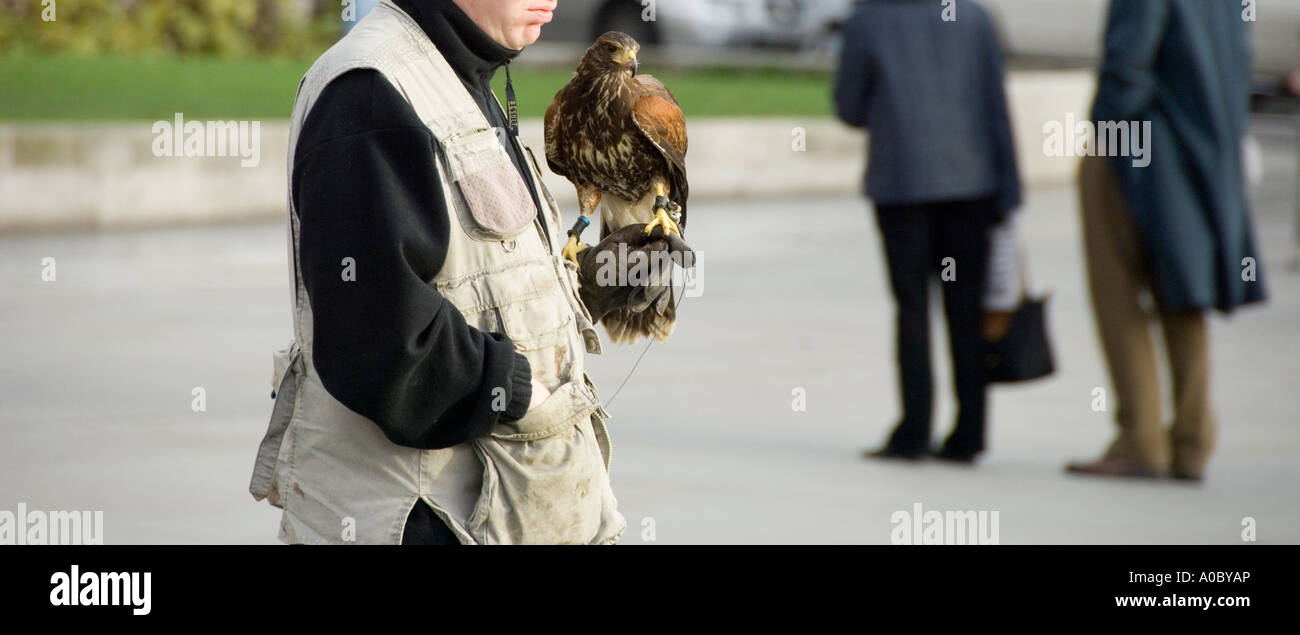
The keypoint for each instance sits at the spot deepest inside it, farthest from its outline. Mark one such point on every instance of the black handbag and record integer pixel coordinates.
(1025, 351)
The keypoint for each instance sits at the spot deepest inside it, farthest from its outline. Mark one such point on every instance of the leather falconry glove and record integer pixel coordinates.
(629, 269)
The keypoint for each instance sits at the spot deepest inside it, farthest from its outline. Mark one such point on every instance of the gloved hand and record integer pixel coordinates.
(644, 279)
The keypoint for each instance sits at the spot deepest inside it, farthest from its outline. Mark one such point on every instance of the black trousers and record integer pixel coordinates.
(919, 240)
(423, 527)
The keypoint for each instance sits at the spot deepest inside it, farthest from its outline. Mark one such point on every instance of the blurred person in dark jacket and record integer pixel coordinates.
(1177, 229)
(926, 80)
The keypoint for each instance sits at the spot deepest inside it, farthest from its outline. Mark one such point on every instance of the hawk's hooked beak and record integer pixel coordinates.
(632, 65)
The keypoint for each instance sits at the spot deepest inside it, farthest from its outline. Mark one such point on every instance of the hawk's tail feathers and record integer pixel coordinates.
(626, 326)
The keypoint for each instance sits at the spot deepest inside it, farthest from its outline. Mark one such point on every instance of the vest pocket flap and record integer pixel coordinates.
(500, 203)
(567, 405)
(534, 326)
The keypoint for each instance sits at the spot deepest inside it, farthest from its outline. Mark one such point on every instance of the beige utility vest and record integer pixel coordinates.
(542, 479)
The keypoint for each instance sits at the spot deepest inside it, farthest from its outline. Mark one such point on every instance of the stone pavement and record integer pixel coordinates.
(102, 364)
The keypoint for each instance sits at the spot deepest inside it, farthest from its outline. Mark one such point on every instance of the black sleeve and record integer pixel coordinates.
(1002, 140)
(374, 228)
(854, 75)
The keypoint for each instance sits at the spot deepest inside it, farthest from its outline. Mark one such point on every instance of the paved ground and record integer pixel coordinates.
(95, 395)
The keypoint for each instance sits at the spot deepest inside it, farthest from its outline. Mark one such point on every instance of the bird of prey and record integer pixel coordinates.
(620, 138)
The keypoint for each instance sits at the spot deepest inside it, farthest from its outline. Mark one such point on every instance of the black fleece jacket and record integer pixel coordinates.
(386, 344)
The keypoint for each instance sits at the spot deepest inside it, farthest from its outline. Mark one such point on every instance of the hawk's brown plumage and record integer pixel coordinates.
(620, 139)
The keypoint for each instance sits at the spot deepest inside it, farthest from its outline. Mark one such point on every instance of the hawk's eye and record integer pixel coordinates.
(612, 49)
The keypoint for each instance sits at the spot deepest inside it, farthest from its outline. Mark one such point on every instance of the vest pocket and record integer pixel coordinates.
(544, 478)
(536, 325)
(500, 205)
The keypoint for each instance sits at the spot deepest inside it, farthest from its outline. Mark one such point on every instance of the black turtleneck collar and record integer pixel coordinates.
(473, 55)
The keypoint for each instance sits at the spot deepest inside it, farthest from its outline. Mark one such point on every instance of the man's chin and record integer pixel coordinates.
(525, 36)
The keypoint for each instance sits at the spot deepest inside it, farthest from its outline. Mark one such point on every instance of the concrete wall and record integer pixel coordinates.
(92, 176)
(105, 175)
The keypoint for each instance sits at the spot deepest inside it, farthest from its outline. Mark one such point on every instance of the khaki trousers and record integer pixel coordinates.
(1118, 276)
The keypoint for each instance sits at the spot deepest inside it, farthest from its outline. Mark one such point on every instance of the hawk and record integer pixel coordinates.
(620, 138)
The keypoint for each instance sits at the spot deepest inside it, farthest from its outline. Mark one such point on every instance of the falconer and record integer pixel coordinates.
(434, 391)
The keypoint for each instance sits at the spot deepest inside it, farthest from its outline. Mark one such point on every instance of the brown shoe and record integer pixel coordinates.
(1112, 467)
(1180, 474)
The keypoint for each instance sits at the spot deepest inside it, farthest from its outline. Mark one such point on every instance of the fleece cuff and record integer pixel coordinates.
(521, 389)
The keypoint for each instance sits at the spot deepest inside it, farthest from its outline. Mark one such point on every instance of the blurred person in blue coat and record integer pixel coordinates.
(926, 81)
(1174, 226)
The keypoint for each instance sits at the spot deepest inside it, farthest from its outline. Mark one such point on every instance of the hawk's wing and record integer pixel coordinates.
(552, 133)
(660, 119)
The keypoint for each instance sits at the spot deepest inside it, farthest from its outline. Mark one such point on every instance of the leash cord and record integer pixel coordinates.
(641, 357)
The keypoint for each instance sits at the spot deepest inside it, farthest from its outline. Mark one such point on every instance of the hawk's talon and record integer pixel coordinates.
(663, 219)
(572, 249)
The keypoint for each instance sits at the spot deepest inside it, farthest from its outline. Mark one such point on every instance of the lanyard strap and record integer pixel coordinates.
(512, 110)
